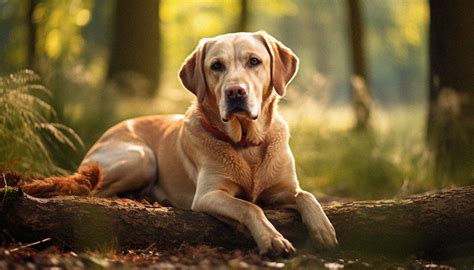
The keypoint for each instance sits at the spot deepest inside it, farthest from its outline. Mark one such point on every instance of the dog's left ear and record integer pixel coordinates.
(284, 63)
(192, 72)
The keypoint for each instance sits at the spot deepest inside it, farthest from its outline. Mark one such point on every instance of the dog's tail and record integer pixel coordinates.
(81, 183)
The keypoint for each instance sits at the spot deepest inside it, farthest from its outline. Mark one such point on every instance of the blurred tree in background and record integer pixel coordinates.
(451, 95)
(361, 98)
(31, 52)
(244, 16)
(134, 61)
(79, 46)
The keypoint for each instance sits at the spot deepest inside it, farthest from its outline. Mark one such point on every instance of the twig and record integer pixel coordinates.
(5, 189)
(149, 247)
(30, 245)
(8, 235)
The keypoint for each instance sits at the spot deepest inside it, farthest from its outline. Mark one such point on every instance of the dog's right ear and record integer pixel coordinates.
(192, 72)
(284, 62)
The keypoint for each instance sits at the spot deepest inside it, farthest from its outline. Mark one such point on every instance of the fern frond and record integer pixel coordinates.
(60, 132)
(27, 127)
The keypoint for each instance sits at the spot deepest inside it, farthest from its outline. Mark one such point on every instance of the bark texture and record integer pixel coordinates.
(435, 222)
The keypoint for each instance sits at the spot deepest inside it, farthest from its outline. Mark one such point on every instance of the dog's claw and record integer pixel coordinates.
(275, 246)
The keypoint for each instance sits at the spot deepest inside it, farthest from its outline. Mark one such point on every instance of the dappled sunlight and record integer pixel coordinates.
(58, 31)
(83, 17)
(337, 118)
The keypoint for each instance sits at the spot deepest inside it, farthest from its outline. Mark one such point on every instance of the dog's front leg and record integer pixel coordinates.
(318, 224)
(220, 203)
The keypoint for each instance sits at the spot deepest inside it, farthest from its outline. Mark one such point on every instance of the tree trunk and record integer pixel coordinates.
(31, 26)
(361, 97)
(134, 58)
(438, 222)
(243, 25)
(451, 100)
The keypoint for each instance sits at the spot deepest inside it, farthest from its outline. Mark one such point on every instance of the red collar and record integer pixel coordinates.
(223, 137)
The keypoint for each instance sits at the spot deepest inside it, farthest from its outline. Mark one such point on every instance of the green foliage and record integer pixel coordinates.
(396, 49)
(59, 25)
(26, 130)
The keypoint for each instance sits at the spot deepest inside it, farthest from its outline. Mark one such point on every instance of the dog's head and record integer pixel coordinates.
(239, 71)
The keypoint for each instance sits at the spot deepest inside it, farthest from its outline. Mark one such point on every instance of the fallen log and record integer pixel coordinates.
(429, 222)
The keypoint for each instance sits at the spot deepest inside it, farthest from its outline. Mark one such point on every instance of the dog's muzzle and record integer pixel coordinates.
(236, 100)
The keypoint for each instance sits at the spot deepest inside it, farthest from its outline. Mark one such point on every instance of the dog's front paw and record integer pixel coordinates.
(275, 245)
(323, 234)
(320, 228)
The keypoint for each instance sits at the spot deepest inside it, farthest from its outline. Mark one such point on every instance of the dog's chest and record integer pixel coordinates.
(254, 158)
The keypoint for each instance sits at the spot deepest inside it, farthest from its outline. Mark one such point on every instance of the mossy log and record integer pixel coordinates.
(430, 222)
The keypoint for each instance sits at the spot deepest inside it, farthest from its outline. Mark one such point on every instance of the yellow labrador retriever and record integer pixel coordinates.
(229, 152)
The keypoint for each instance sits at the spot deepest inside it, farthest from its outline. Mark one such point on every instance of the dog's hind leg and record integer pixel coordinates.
(127, 167)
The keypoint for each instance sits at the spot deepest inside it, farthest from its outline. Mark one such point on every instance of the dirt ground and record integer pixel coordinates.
(49, 256)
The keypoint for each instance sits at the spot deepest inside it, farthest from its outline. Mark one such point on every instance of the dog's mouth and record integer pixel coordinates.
(240, 108)
(239, 112)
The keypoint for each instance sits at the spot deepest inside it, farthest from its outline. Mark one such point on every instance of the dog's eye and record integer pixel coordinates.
(217, 66)
(254, 61)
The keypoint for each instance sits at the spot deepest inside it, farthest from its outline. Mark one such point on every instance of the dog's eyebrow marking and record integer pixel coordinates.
(218, 57)
(247, 54)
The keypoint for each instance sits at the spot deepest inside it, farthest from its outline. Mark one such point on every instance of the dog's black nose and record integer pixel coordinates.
(235, 91)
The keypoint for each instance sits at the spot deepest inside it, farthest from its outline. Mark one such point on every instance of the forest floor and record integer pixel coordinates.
(52, 254)
(48, 255)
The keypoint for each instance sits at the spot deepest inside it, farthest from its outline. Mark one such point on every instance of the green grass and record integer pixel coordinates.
(389, 160)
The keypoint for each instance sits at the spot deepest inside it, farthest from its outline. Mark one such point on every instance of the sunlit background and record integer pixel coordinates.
(73, 42)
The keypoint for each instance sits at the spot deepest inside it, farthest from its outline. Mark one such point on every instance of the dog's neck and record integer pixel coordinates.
(240, 130)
